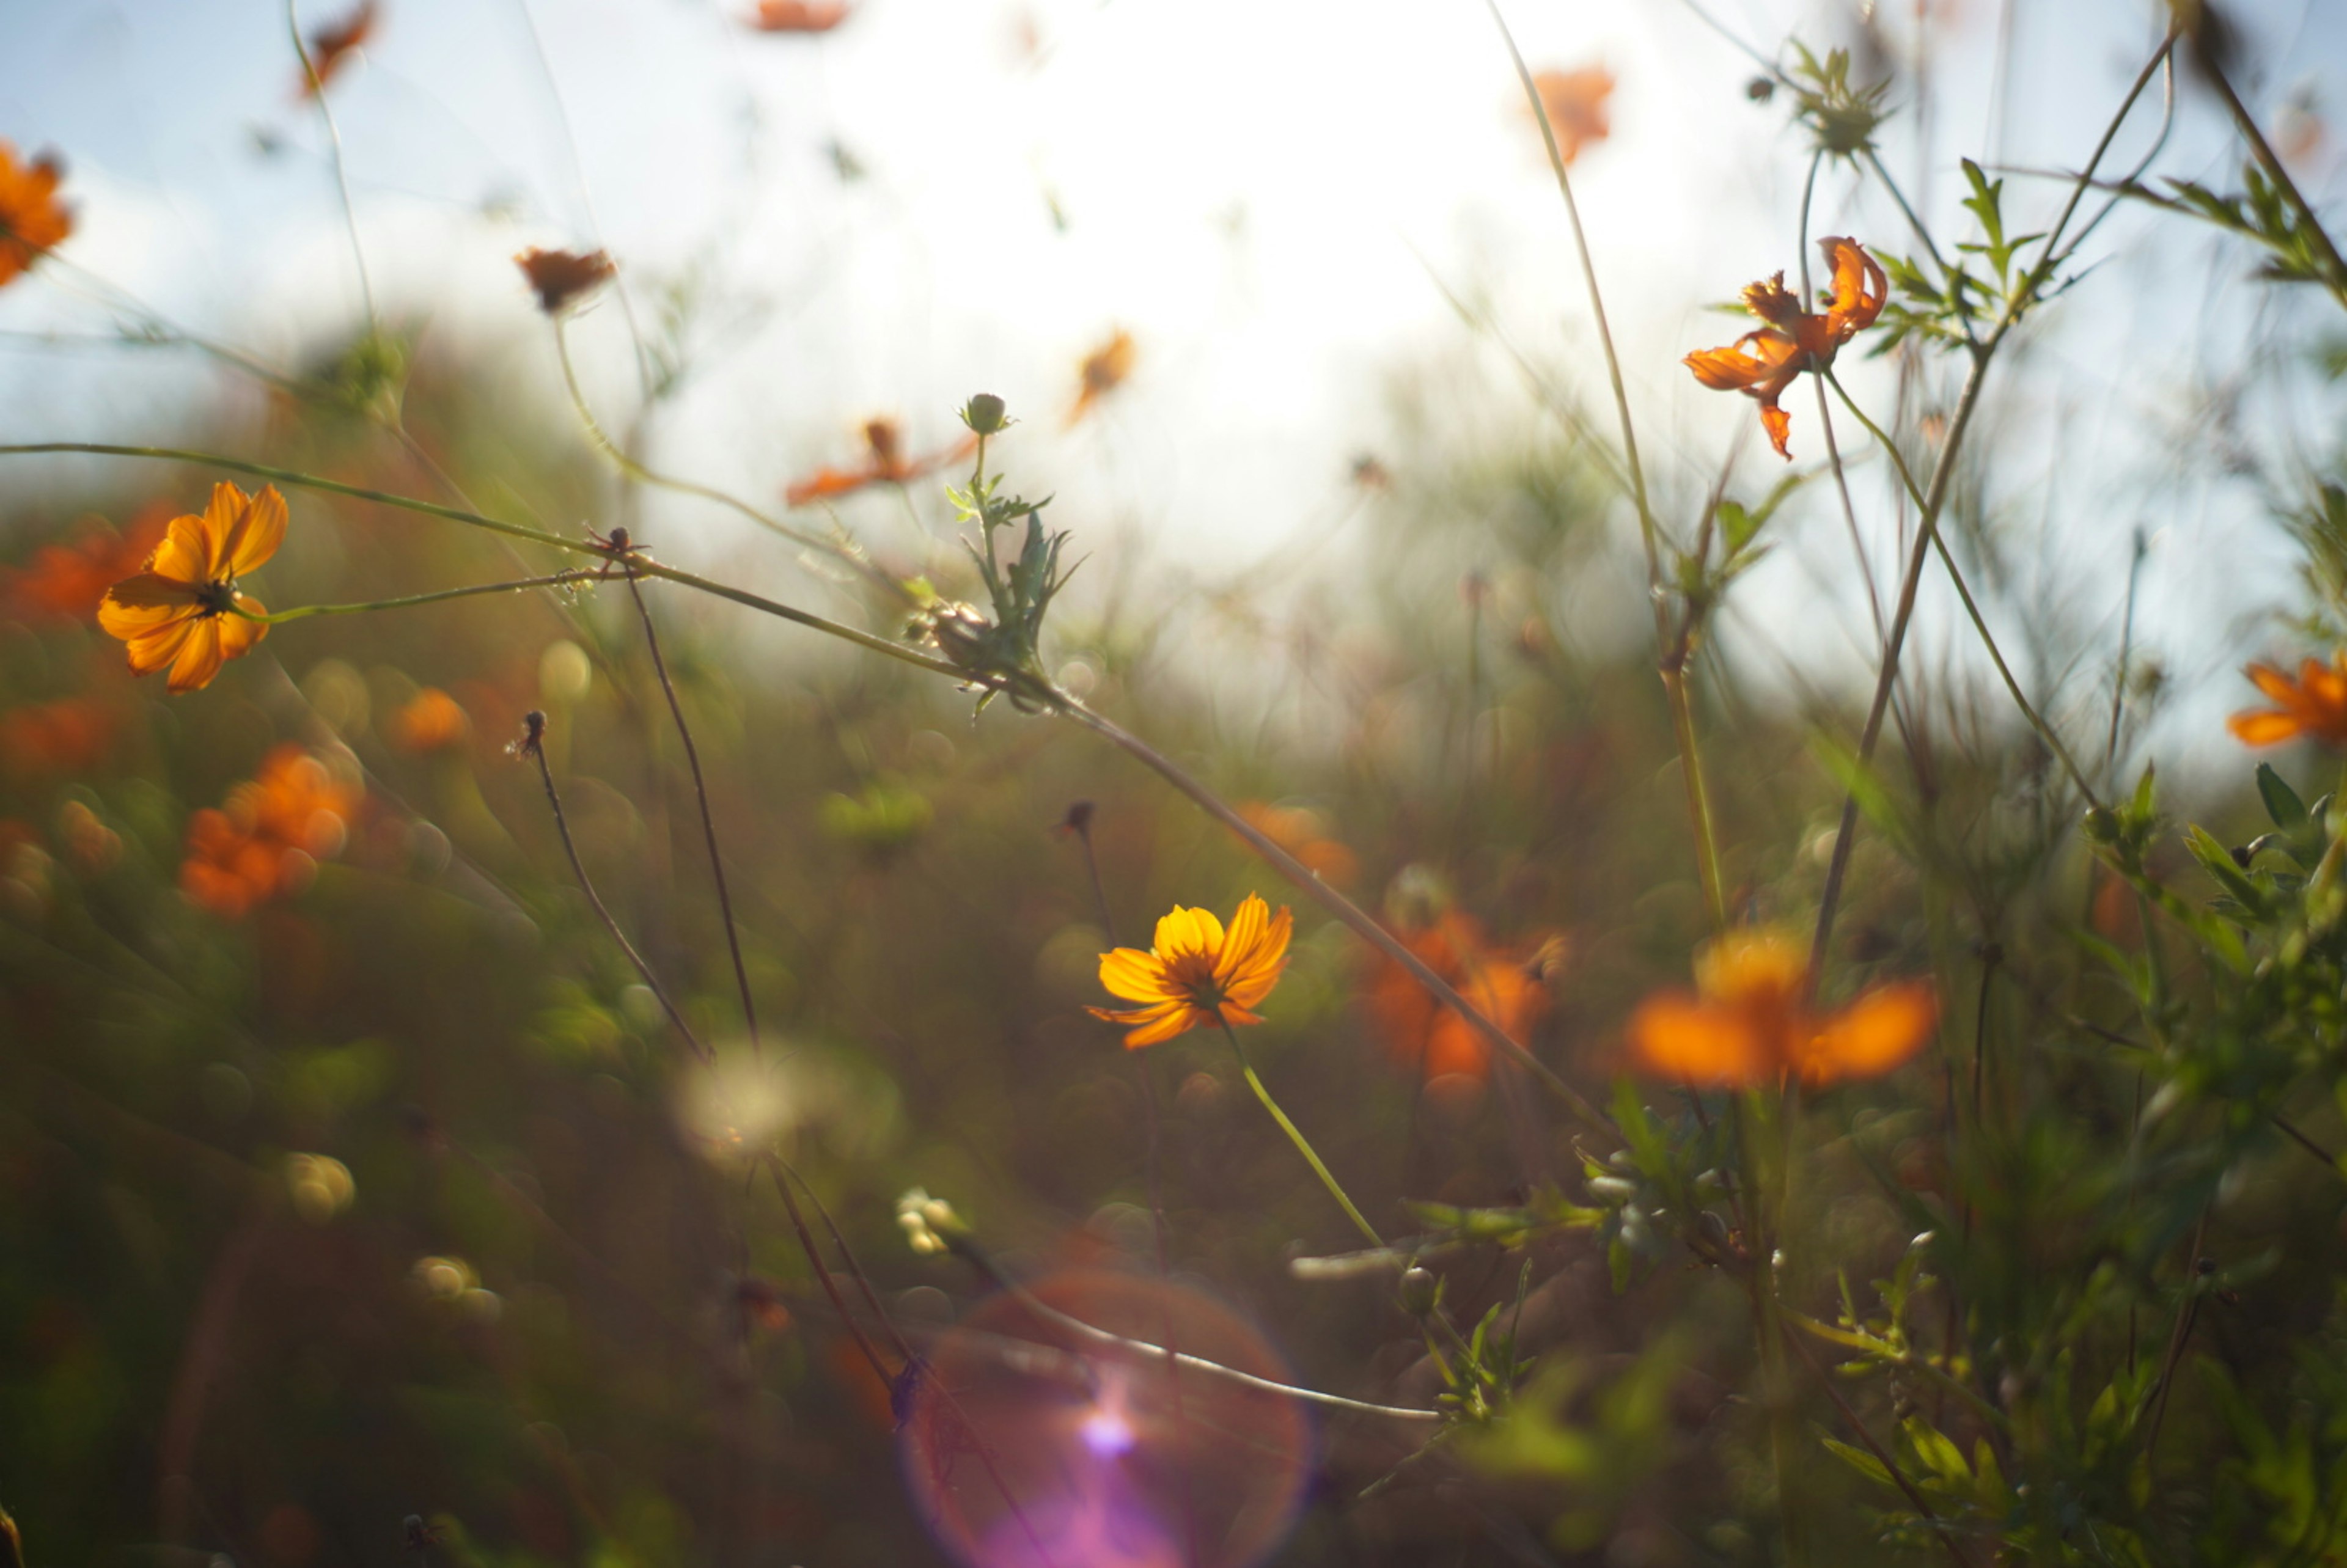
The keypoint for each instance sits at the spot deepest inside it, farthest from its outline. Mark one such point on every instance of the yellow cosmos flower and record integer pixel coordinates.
(1198, 975)
(184, 610)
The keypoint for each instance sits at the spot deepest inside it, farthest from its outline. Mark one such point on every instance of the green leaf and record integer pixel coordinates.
(2282, 803)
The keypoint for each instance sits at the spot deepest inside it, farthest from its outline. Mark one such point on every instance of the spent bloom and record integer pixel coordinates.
(1763, 364)
(559, 277)
(1198, 975)
(31, 219)
(1750, 1023)
(1103, 372)
(2313, 705)
(183, 610)
(1574, 102)
(885, 463)
(331, 46)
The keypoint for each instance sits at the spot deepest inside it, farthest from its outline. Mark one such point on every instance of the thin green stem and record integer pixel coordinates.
(2279, 175)
(554, 580)
(1295, 1136)
(334, 146)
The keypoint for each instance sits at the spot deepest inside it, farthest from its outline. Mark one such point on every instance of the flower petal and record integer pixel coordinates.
(238, 634)
(1189, 931)
(217, 528)
(1257, 970)
(140, 604)
(184, 554)
(150, 651)
(1135, 976)
(2263, 727)
(256, 532)
(1872, 1035)
(1778, 424)
(1157, 1024)
(200, 656)
(1685, 1037)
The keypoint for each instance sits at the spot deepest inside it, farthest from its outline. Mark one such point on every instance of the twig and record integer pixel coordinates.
(1881, 1456)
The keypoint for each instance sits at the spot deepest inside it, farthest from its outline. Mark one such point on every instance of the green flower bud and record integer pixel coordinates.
(984, 414)
(1420, 1289)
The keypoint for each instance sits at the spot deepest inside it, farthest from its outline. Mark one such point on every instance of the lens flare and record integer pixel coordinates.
(1029, 1444)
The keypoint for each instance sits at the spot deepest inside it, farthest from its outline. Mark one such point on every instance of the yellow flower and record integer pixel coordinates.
(1750, 1023)
(184, 609)
(2315, 704)
(1198, 975)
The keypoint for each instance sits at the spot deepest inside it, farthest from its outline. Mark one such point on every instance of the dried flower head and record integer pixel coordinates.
(1750, 1023)
(32, 220)
(1104, 370)
(1197, 975)
(331, 46)
(1762, 365)
(559, 278)
(184, 609)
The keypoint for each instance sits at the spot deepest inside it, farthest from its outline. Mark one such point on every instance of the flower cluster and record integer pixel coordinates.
(266, 839)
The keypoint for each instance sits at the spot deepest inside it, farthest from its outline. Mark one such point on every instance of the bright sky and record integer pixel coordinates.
(1257, 190)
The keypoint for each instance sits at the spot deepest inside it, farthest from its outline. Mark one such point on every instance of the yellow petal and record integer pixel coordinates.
(139, 604)
(183, 554)
(1258, 969)
(150, 651)
(200, 656)
(257, 532)
(238, 634)
(222, 522)
(1873, 1034)
(1686, 1038)
(1134, 975)
(1189, 931)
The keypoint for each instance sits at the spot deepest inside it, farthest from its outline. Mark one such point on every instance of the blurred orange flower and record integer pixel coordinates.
(1750, 1023)
(31, 218)
(1103, 372)
(1795, 340)
(798, 15)
(184, 609)
(268, 834)
(332, 44)
(69, 578)
(430, 722)
(68, 736)
(1303, 832)
(1197, 976)
(2314, 705)
(558, 277)
(1574, 102)
(1507, 987)
(885, 464)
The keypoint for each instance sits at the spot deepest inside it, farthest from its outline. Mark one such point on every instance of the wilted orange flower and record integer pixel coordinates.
(1198, 975)
(31, 219)
(1574, 102)
(798, 15)
(558, 277)
(69, 578)
(885, 464)
(1750, 1022)
(1507, 987)
(429, 721)
(1103, 372)
(2314, 705)
(1795, 340)
(331, 45)
(1302, 832)
(269, 833)
(184, 609)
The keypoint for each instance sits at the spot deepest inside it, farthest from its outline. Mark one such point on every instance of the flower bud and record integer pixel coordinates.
(1420, 1289)
(985, 414)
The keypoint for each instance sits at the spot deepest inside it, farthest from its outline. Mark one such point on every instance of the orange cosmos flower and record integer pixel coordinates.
(67, 580)
(1763, 364)
(331, 45)
(184, 609)
(1103, 372)
(69, 736)
(1750, 1022)
(31, 219)
(265, 837)
(1304, 833)
(431, 721)
(1198, 975)
(1507, 987)
(558, 277)
(886, 463)
(2315, 704)
(1574, 102)
(798, 15)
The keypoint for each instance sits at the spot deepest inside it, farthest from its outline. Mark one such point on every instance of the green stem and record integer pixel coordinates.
(1295, 1136)
(303, 613)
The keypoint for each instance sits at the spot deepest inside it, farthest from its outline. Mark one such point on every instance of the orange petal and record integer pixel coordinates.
(150, 651)
(218, 528)
(1872, 1035)
(138, 605)
(1725, 369)
(1157, 1024)
(826, 483)
(2259, 727)
(185, 553)
(200, 656)
(1679, 1035)
(1189, 931)
(1135, 976)
(256, 532)
(236, 634)
(2272, 681)
(1778, 424)
(1253, 978)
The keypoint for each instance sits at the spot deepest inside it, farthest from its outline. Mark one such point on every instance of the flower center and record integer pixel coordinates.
(1194, 973)
(216, 598)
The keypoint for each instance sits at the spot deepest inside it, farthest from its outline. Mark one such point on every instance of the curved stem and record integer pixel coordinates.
(554, 580)
(334, 143)
(1297, 1137)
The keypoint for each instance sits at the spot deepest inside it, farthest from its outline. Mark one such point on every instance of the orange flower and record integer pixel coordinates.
(1300, 831)
(431, 721)
(68, 736)
(1763, 364)
(1103, 372)
(67, 580)
(798, 15)
(2315, 704)
(1198, 975)
(1574, 102)
(184, 609)
(266, 836)
(228, 870)
(31, 219)
(1507, 987)
(1750, 1022)
(331, 45)
(885, 465)
(558, 277)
